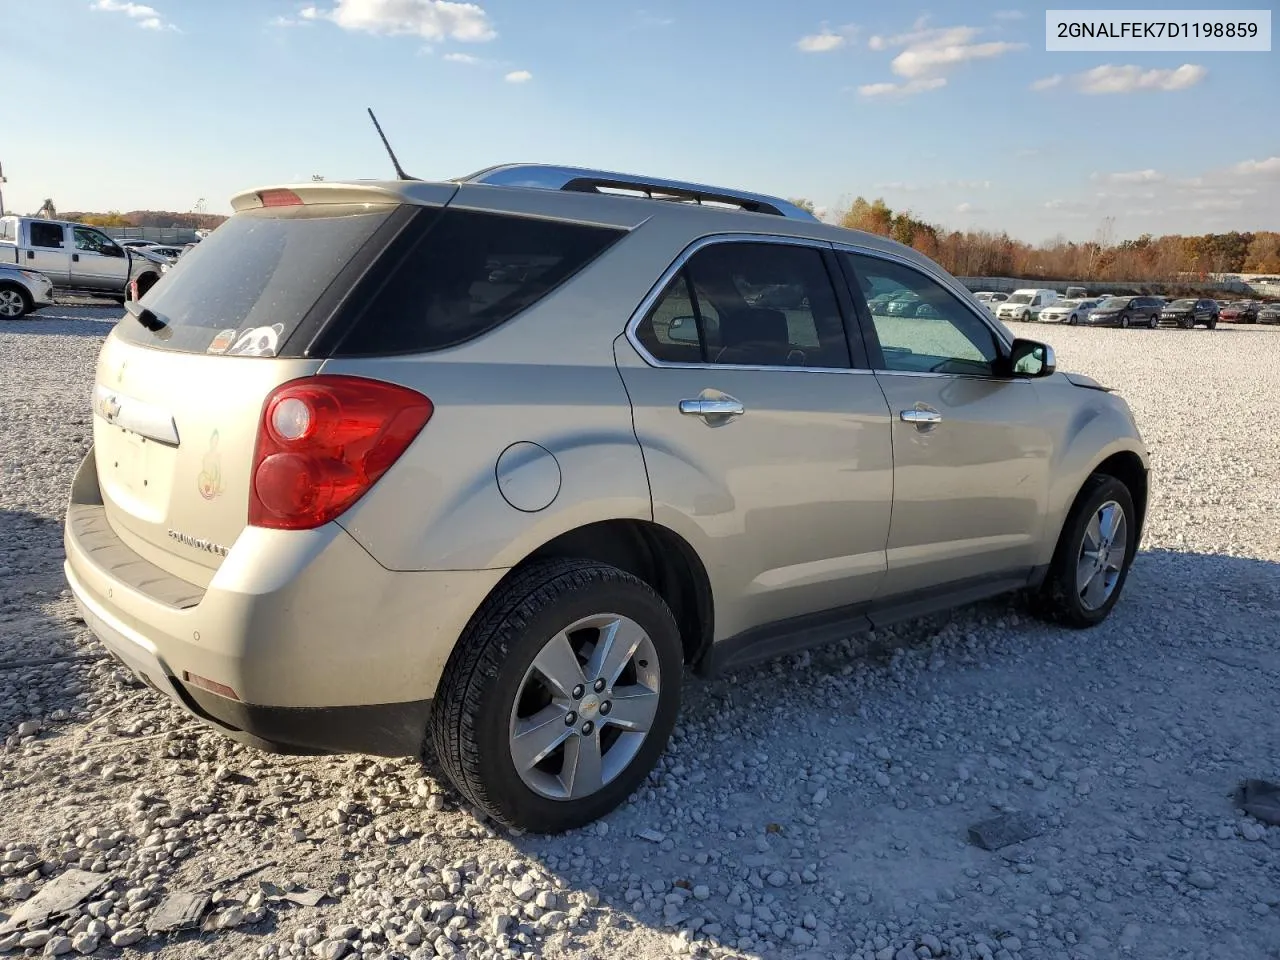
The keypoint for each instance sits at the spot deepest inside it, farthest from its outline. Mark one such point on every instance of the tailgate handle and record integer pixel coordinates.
(136, 416)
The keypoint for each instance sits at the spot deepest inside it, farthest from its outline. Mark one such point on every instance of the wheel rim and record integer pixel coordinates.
(1102, 555)
(10, 303)
(585, 707)
(1124, 321)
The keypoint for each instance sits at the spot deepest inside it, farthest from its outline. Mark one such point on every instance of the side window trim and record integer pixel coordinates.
(678, 266)
(868, 324)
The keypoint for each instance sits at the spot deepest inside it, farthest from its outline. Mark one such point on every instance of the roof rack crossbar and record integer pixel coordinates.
(578, 180)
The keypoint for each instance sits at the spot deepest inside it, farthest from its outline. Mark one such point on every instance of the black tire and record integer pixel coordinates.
(1187, 324)
(1154, 321)
(1124, 321)
(23, 300)
(1213, 323)
(1058, 599)
(470, 725)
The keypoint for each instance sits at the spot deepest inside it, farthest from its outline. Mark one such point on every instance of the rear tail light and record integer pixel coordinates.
(323, 441)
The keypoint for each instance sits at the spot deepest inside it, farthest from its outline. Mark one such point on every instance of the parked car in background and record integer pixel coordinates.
(303, 522)
(990, 299)
(879, 304)
(22, 291)
(136, 242)
(145, 270)
(1067, 311)
(1270, 313)
(1126, 312)
(77, 258)
(903, 305)
(1188, 312)
(1076, 293)
(1241, 311)
(1026, 304)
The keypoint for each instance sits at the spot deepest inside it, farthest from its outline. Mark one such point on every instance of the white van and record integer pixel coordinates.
(1026, 304)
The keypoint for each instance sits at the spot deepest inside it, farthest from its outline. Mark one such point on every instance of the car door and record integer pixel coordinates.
(970, 451)
(767, 443)
(98, 262)
(48, 251)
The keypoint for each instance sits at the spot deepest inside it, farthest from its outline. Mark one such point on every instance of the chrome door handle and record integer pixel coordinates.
(921, 416)
(726, 407)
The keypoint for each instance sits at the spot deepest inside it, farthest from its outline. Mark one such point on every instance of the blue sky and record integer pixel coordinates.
(955, 112)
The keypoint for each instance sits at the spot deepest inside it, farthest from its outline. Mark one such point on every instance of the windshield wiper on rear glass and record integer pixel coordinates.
(157, 323)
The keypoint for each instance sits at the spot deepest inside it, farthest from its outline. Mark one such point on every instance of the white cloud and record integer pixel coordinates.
(901, 89)
(518, 76)
(826, 39)
(968, 207)
(1063, 205)
(1048, 83)
(933, 51)
(928, 53)
(1131, 176)
(287, 22)
(968, 184)
(1109, 78)
(148, 18)
(429, 19)
(1269, 167)
(1217, 203)
(462, 58)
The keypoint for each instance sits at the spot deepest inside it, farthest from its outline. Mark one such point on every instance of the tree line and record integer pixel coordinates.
(981, 253)
(148, 218)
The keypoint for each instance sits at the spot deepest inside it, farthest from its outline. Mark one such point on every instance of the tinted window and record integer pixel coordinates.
(939, 334)
(91, 241)
(46, 235)
(749, 304)
(247, 287)
(469, 273)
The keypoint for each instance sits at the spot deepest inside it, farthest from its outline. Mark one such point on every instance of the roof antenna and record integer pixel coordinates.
(391, 153)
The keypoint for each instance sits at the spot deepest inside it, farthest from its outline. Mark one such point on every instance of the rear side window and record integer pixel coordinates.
(46, 235)
(749, 304)
(246, 287)
(469, 273)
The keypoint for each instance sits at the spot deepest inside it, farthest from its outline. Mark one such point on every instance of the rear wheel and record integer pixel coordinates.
(14, 303)
(560, 696)
(1093, 556)
(1213, 323)
(1154, 321)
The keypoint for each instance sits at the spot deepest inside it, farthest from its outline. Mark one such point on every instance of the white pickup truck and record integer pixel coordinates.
(77, 258)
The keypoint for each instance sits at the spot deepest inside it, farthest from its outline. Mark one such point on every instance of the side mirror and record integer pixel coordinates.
(1030, 358)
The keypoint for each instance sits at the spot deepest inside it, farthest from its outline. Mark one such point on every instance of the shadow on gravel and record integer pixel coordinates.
(833, 790)
(60, 325)
(45, 649)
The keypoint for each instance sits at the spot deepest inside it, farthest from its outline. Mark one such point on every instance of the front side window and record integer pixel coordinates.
(940, 335)
(749, 304)
(91, 241)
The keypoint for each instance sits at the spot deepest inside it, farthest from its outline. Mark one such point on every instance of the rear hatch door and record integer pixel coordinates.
(182, 379)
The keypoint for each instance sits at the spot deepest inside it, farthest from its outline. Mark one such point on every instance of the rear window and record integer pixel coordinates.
(468, 273)
(248, 285)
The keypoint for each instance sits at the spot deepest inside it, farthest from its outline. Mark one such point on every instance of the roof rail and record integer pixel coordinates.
(546, 177)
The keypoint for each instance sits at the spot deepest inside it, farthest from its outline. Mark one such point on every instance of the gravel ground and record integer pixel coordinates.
(816, 807)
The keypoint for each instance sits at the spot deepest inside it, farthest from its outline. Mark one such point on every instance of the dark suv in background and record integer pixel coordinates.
(1127, 312)
(1187, 313)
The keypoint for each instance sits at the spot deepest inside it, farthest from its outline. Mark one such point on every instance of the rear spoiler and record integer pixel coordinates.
(372, 192)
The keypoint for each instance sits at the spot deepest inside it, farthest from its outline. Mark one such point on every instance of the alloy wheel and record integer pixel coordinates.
(1102, 555)
(11, 304)
(585, 707)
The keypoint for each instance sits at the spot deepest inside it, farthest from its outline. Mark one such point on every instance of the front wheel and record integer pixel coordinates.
(1093, 556)
(1213, 323)
(1124, 322)
(560, 696)
(13, 303)
(1154, 321)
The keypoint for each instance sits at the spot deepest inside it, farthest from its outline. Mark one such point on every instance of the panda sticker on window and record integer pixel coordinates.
(258, 342)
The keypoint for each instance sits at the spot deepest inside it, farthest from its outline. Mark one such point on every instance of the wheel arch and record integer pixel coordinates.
(656, 555)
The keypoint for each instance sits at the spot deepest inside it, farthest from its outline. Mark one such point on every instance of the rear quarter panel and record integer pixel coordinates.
(546, 377)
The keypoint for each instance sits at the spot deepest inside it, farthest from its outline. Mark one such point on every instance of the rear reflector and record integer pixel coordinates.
(279, 198)
(221, 689)
(323, 441)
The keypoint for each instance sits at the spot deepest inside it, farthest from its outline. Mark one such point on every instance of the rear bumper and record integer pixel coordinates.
(326, 650)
